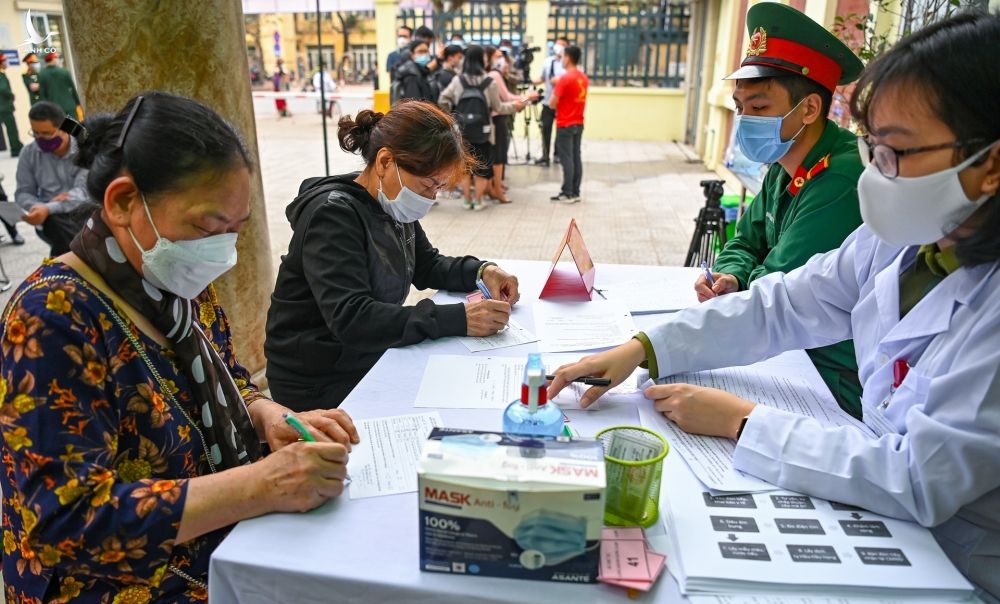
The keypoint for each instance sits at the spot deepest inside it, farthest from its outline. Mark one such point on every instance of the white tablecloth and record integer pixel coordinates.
(366, 550)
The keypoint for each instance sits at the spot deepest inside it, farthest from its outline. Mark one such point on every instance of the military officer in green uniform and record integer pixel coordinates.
(56, 86)
(808, 203)
(30, 77)
(7, 111)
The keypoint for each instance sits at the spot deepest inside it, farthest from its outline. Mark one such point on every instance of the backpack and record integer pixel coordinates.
(473, 112)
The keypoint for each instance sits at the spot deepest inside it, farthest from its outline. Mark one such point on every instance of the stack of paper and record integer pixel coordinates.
(627, 559)
(784, 383)
(782, 542)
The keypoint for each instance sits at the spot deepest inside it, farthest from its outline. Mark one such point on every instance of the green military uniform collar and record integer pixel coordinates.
(815, 161)
(941, 263)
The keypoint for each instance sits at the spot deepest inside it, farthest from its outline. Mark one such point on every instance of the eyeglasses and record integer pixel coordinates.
(886, 159)
(48, 136)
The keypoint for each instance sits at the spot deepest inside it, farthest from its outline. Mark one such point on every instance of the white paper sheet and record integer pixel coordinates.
(788, 543)
(11, 212)
(514, 335)
(480, 382)
(658, 295)
(385, 462)
(711, 458)
(573, 326)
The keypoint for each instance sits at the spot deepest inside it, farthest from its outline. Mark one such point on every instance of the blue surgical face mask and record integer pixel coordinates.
(557, 537)
(759, 137)
(422, 60)
(408, 206)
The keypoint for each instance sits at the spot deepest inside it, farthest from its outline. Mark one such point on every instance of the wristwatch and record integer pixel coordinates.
(482, 267)
(743, 424)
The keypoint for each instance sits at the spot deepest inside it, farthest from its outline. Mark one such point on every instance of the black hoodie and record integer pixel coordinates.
(338, 302)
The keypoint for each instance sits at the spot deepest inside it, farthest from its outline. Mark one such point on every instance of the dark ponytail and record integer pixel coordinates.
(170, 143)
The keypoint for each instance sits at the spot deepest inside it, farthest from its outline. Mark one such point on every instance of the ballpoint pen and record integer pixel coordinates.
(485, 290)
(294, 422)
(589, 381)
(708, 273)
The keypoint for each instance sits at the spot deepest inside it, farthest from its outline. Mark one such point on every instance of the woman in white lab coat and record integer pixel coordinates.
(917, 287)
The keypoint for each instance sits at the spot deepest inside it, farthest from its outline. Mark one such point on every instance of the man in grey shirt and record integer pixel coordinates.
(552, 68)
(51, 188)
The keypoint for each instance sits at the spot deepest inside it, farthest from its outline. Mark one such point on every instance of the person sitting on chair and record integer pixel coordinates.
(808, 203)
(51, 188)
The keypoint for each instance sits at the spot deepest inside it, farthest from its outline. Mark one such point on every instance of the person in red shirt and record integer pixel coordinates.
(569, 100)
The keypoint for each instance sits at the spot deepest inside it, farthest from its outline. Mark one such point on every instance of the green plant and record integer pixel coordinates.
(869, 39)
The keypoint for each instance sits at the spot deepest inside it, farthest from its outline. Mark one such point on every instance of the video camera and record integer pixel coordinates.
(713, 191)
(524, 87)
(525, 56)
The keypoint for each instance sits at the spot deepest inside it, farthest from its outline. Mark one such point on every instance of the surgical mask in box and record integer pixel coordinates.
(503, 505)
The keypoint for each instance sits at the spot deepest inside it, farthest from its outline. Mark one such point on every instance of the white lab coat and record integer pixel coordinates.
(937, 460)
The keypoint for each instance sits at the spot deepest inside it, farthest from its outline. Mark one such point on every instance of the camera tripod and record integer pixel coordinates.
(710, 226)
(530, 114)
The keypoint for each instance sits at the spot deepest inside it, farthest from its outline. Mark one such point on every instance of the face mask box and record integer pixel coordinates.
(503, 505)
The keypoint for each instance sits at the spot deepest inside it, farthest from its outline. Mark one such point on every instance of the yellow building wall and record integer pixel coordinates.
(635, 113)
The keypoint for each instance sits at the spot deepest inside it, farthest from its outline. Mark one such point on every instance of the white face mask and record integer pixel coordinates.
(919, 210)
(558, 49)
(408, 206)
(402, 42)
(186, 268)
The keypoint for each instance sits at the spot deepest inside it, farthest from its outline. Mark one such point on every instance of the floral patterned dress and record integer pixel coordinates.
(96, 457)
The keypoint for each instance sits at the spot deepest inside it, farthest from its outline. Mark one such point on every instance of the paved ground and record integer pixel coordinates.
(639, 198)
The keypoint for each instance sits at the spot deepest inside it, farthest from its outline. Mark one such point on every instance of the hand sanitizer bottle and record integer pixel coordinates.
(533, 414)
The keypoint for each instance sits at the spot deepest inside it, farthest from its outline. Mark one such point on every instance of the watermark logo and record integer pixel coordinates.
(35, 42)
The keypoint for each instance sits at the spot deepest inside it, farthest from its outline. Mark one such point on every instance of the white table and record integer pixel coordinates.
(366, 550)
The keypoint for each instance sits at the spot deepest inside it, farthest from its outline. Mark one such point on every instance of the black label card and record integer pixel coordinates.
(729, 501)
(884, 556)
(865, 528)
(744, 551)
(799, 526)
(813, 553)
(792, 502)
(843, 507)
(734, 524)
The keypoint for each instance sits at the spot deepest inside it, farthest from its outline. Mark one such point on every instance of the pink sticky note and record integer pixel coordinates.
(639, 585)
(623, 534)
(655, 562)
(474, 297)
(624, 560)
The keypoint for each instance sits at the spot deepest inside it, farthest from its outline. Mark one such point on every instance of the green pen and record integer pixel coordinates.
(294, 422)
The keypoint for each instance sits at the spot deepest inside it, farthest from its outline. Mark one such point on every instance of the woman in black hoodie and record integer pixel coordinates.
(356, 249)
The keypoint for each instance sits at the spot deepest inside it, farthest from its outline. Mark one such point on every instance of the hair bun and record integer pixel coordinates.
(98, 128)
(355, 133)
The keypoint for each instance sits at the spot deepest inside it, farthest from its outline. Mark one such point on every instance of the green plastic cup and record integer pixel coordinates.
(633, 457)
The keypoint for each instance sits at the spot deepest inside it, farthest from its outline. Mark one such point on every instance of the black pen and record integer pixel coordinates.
(589, 381)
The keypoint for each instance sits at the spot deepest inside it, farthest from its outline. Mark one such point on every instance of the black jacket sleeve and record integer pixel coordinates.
(334, 262)
(432, 270)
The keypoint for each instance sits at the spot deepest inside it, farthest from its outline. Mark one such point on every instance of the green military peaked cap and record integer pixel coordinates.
(784, 40)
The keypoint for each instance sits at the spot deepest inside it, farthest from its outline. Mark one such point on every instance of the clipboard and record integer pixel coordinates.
(11, 213)
(565, 284)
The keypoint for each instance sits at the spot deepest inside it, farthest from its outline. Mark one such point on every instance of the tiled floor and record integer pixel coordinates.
(639, 200)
